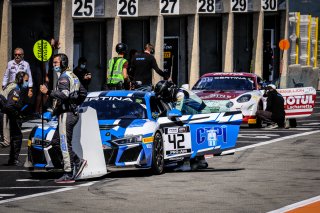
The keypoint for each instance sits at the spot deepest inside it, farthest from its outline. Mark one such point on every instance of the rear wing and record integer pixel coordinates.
(298, 102)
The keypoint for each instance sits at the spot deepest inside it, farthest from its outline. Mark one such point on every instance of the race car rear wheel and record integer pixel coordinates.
(157, 155)
(258, 123)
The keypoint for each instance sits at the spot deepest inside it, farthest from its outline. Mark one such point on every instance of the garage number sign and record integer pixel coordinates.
(127, 7)
(239, 6)
(169, 7)
(42, 50)
(206, 6)
(83, 8)
(269, 5)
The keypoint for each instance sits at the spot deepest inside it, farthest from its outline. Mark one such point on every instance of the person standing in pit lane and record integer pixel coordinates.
(12, 103)
(117, 73)
(142, 65)
(68, 96)
(13, 67)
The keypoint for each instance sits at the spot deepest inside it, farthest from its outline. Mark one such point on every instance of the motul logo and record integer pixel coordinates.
(299, 99)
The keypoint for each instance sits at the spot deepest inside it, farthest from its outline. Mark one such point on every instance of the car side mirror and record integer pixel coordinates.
(173, 114)
(185, 86)
(47, 116)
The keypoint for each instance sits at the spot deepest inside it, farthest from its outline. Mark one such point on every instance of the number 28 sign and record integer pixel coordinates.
(83, 8)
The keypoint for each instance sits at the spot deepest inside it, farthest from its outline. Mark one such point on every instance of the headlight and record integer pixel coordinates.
(131, 139)
(244, 98)
(229, 104)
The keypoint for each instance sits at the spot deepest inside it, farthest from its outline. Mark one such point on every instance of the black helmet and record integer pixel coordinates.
(165, 89)
(121, 48)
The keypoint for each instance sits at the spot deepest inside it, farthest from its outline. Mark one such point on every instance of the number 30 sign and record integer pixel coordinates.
(83, 8)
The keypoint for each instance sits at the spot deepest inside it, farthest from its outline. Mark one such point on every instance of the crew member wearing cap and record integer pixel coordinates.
(274, 115)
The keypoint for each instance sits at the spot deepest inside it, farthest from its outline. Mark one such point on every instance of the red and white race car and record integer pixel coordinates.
(241, 92)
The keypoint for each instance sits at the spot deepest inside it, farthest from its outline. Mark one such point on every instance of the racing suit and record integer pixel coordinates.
(13, 108)
(69, 94)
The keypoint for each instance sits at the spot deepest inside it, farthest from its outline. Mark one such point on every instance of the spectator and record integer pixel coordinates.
(15, 94)
(16, 65)
(274, 114)
(117, 74)
(82, 73)
(142, 65)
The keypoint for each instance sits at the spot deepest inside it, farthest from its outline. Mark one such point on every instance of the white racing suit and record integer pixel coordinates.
(69, 94)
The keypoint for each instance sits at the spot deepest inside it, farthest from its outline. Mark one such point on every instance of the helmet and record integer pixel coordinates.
(121, 48)
(165, 89)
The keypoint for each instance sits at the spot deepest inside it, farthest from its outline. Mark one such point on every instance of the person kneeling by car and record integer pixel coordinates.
(274, 115)
(69, 94)
(171, 94)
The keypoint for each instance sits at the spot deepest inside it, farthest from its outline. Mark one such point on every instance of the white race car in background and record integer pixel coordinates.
(240, 92)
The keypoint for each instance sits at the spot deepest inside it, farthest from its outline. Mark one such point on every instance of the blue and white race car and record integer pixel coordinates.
(138, 129)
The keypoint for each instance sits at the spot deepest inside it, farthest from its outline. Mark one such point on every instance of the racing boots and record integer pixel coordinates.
(66, 178)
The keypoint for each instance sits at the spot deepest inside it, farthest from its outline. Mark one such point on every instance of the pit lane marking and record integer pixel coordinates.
(300, 204)
(6, 195)
(65, 188)
(27, 180)
(268, 142)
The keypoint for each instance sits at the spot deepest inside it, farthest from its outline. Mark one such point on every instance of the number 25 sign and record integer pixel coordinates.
(83, 8)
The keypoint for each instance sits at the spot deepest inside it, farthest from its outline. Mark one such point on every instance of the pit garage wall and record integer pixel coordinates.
(64, 27)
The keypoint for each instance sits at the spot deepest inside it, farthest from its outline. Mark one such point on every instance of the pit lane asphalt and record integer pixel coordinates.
(259, 179)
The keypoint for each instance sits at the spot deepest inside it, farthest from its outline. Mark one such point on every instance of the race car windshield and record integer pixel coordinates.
(115, 109)
(225, 83)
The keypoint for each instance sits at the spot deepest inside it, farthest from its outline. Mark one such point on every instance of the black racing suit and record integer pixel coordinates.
(67, 99)
(275, 105)
(141, 68)
(13, 108)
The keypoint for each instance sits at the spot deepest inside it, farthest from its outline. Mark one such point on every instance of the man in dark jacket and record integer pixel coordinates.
(82, 72)
(13, 105)
(69, 94)
(274, 113)
(142, 65)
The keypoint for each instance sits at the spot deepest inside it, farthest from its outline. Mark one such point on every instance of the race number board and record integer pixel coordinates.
(239, 6)
(176, 141)
(169, 7)
(127, 8)
(206, 6)
(269, 5)
(83, 8)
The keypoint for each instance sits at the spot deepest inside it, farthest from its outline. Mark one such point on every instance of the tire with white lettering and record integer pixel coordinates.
(157, 154)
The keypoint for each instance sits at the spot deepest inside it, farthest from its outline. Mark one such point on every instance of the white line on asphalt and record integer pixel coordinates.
(7, 170)
(35, 195)
(7, 195)
(35, 187)
(8, 154)
(27, 180)
(275, 140)
(297, 205)
(66, 188)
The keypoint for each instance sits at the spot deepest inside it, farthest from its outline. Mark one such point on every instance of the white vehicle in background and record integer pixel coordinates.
(241, 92)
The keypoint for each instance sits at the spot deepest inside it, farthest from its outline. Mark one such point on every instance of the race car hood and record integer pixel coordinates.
(219, 94)
(123, 128)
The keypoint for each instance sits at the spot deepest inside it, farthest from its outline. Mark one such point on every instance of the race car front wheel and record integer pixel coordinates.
(157, 154)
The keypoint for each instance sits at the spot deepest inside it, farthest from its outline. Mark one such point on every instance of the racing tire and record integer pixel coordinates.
(258, 124)
(157, 166)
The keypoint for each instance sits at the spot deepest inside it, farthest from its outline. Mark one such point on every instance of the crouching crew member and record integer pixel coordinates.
(12, 103)
(69, 94)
